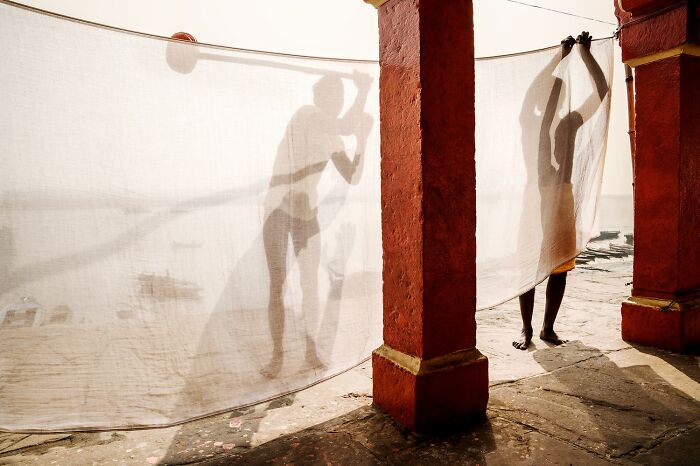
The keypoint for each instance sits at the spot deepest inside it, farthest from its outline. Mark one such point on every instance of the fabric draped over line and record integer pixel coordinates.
(541, 136)
(185, 229)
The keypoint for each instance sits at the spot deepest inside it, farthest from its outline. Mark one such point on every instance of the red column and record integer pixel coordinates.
(428, 374)
(659, 42)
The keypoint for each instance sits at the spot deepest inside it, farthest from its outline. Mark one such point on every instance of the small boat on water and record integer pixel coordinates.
(614, 251)
(166, 287)
(627, 248)
(606, 234)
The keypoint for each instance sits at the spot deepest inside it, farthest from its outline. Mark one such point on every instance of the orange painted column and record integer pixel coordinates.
(428, 374)
(659, 39)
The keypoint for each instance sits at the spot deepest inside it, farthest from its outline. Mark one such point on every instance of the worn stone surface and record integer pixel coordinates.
(599, 406)
(366, 436)
(16, 442)
(595, 400)
(679, 449)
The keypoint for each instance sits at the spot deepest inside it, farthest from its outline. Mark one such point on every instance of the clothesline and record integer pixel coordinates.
(256, 51)
(561, 12)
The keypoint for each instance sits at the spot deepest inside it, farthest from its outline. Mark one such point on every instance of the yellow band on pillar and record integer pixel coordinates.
(664, 304)
(376, 3)
(418, 366)
(685, 49)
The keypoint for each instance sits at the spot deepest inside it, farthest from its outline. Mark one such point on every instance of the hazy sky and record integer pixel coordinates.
(348, 29)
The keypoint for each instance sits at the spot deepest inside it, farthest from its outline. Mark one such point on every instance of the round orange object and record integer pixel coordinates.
(182, 57)
(183, 36)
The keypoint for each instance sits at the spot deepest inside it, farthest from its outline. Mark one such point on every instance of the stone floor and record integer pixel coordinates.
(595, 400)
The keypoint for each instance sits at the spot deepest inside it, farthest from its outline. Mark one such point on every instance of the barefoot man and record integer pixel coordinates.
(312, 140)
(556, 192)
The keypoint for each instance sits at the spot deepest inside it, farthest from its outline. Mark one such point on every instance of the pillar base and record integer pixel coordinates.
(662, 323)
(431, 395)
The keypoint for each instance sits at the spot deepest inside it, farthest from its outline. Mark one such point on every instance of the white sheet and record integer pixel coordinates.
(186, 229)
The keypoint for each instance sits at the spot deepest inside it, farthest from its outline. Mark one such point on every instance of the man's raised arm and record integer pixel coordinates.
(352, 118)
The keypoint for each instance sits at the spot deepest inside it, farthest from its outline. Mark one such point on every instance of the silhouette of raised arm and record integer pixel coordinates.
(349, 121)
(545, 169)
(601, 85)
(351, 170)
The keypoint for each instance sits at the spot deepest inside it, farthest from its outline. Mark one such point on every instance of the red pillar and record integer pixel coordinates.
(660, 40)
(428, 374)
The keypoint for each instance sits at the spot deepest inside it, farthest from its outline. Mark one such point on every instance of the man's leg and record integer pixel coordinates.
(555, 293)
(307, 247)
(527, 304)
(275, 239)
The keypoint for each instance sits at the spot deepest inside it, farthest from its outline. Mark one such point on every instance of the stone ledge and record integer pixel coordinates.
(418, 366)
(376, 3)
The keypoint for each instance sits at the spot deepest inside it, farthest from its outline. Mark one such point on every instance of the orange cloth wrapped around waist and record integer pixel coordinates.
(565, 267)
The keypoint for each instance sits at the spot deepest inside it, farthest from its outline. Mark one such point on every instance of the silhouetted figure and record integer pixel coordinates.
(313, 137)
(557, 215)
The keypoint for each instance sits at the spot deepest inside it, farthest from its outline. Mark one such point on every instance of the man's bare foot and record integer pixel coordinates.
(272, 369)
(314, 362)
(312, 359)
(524, 340)
(551, 337)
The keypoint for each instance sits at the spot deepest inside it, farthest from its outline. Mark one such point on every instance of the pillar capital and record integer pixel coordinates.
(376, 3)
(653, 30)
(640, 7)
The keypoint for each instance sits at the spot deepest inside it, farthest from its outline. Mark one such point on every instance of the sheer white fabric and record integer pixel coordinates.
(183, 229)
(541, 136)
(186, 229)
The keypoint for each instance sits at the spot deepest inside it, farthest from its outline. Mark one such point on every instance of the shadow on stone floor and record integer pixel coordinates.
(366, 436)
(614, 409)
(687, 364)
(194, 441)
(589, 408)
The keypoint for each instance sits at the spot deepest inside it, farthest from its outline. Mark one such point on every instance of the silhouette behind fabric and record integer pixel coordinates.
(540, 148)
(185, 229)
(178, 239)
